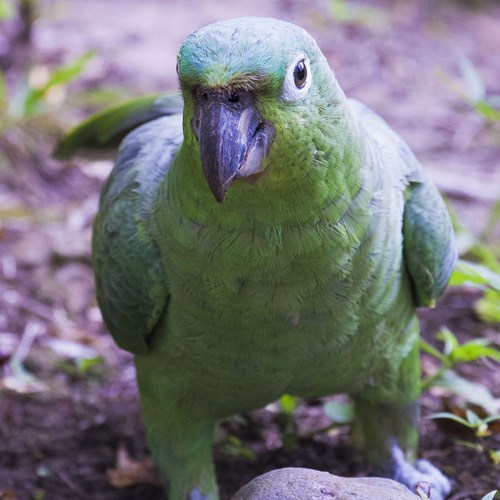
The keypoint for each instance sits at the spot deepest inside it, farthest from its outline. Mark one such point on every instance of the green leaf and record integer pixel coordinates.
(84, 365)
(450, 416)
(472, 421)
(288, 404)
(235, 447)
(492, 418)
(338, 9)
(69, 72)
(475, 275)
(473, 350)
(471, 392)
(472, 418)
(491, 494)
(476, 91)
(495, 458)
(60, 76)
(343, 12)
(474, 85)
(449, 339)
(6, 10)
(339, 412)
(488, 307)
(487, 110)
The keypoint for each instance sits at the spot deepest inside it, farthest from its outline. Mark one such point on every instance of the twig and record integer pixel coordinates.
(70, 483)
(15, 299)
(31, 332)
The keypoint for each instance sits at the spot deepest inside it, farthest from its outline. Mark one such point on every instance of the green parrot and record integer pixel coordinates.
(274, 237)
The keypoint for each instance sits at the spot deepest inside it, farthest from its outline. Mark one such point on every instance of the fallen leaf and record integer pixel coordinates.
(129, 472)
(8, 494)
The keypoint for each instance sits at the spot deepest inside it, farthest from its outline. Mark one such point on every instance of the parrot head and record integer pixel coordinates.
(252, 87)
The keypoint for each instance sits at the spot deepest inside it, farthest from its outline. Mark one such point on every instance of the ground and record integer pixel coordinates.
(69, 411)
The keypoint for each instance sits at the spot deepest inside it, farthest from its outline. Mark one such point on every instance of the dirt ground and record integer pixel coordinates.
(69, 411)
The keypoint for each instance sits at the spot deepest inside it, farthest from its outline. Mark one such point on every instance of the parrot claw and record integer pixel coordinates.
(439, 484)
(423, 476)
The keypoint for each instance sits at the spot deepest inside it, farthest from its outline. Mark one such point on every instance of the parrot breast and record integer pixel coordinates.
(259, 310)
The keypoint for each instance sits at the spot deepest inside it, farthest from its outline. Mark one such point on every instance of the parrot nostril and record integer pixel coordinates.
(233, 97)
(205, 96)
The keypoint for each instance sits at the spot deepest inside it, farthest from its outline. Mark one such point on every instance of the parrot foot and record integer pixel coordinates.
(422, 476)
(196, 495)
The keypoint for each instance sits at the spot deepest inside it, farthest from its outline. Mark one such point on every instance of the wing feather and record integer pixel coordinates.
(131, 285)
(106, 128)
(429, 246)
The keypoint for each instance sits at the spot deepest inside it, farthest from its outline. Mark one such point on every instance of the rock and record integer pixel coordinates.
(308, 484)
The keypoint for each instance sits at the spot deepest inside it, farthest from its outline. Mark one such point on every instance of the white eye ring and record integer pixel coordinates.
(292, 92)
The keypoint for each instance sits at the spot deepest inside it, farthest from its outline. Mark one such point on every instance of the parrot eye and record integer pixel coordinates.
(298, 79)
(300, 74)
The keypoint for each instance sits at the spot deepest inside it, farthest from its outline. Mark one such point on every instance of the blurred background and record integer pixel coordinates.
(70, 423)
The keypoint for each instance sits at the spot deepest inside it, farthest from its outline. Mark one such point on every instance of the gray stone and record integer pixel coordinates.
(307, 484)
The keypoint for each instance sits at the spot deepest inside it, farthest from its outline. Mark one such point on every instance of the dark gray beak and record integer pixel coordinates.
(232, 136)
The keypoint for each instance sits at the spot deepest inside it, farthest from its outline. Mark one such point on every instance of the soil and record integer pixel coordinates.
(70, 422)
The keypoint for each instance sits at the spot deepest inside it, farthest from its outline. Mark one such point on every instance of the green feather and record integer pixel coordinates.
(106, 128)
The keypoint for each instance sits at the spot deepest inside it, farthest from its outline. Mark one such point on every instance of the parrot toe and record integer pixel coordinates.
(423, 475)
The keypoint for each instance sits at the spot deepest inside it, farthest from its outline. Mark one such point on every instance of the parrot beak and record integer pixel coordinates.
(232, 136)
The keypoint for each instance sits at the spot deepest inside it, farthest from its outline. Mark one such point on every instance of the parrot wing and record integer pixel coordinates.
(428, 239)
(107, 127)
(429, 242)
(131, 286)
